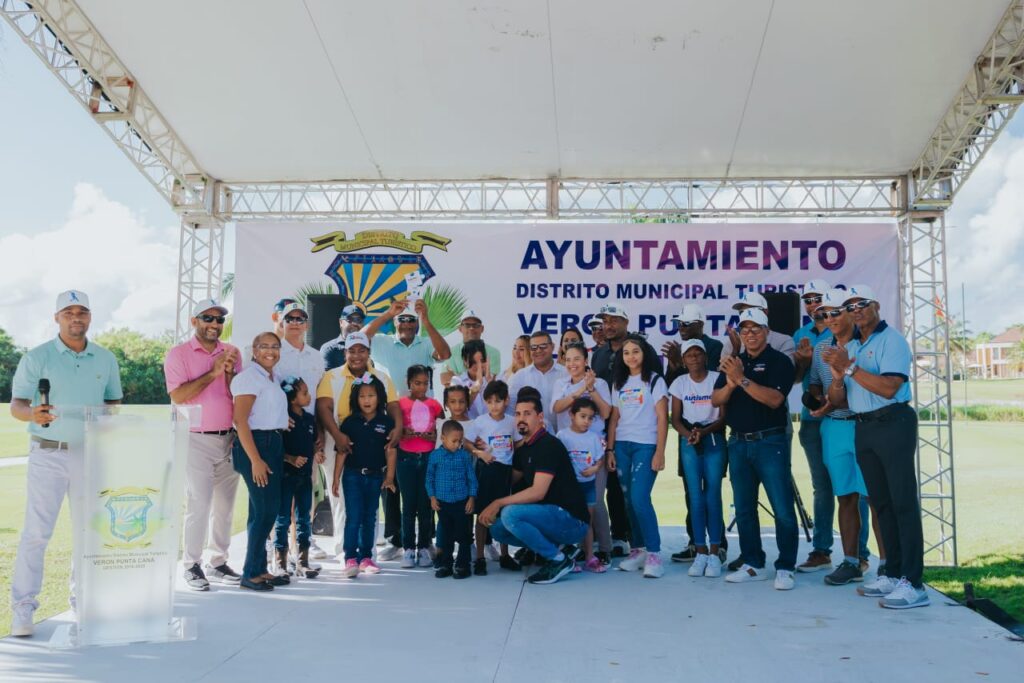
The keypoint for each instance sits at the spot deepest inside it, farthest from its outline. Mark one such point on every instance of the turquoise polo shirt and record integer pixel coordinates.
(493, 357)
(887, 353)
(808, 332)
(388, 351)
(76, 379)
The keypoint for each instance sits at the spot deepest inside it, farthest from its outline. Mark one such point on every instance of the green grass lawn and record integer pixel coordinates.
(988, 390)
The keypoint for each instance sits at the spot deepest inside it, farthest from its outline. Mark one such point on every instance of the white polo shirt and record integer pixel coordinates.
(544, 382)
(305, 363)
(270, 410)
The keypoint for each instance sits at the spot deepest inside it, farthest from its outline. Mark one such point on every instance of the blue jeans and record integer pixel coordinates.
(416, 512)
(824, 507)
(362, 493)
(704, 473)
(633, 463)
(765, 462)
(264, 501)
(540, 527)
(297, 487)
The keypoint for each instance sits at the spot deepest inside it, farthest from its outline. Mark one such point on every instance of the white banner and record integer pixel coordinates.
(523, 277)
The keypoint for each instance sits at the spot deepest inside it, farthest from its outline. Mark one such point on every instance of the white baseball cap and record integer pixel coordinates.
(595, 321)
(753, 315)
(293, 307)
(614, 309)
(816, 287)
(859, 292)
(833, 298)
(749, 298)
(688, 344)
(470, 315)
(72, 297)
(356, 338)
(690, 313)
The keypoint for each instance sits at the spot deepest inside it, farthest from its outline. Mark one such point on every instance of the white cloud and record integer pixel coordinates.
(128, 269)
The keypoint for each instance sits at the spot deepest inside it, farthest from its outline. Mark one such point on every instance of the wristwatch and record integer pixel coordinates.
(744, 382)
(850, 370)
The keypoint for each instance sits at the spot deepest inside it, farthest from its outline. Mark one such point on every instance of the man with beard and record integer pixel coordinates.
(333, 352)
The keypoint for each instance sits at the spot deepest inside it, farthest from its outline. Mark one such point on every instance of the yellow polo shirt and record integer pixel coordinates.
(337, 384)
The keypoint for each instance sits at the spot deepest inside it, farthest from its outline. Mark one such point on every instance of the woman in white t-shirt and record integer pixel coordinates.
(637, 431)
(702, 453)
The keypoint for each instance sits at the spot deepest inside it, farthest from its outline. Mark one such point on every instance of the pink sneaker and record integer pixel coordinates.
(368, 566)
(594, 565)
(351, 568)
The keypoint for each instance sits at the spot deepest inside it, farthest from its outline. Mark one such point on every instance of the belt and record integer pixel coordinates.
(881, 414)
(367, 471)
(222, 432)
(48, 443)
(267, 431)
(757, 436)
(842, 419)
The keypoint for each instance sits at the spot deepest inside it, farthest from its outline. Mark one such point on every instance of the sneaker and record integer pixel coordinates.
(653, 568)
(389, 553)
(815, 561)
(604, 557)
(492, 553)
(423, 558)
(714, 568)
(408, 559)
(574, 552)
(461, 573)
(687, 554)
(443, 572)
(508, 562)
(844, 574)
(315, 551)
(620, 548)
(222, 573)
(636, 559)
(480, 567)
(784, 580)
(878, 588)
(699, 564)
(551, 571)
(746, 573)
(735, 564)
(195, 579)
(351, 568)
(368, 566)
(905, 596)
(21, 621)
(596, 566)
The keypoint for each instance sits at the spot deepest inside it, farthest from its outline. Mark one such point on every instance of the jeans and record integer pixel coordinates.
(362, 494)
(765, 462)
(296, 487)
(453, 518)
(633, 463)
(264, 501)
(704, 472)
(824, 507)
(690, 535)
(540, 527)
(412, 484)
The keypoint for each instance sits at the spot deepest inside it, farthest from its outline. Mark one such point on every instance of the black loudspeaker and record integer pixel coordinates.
(323, 310)
(783, 311)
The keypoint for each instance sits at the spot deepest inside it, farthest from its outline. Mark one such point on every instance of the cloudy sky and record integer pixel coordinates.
(75, 213)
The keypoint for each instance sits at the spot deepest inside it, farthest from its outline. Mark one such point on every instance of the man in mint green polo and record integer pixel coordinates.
(472, 327)
(80, 373)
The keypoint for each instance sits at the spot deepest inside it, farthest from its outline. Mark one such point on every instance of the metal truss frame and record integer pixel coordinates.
(200, 269)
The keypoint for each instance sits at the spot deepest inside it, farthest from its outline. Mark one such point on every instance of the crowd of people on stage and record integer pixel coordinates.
(553, 455)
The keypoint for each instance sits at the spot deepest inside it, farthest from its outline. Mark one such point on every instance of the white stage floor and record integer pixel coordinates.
(405, 625)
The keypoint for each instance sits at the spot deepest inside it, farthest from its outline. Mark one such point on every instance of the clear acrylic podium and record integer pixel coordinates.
(126, 509)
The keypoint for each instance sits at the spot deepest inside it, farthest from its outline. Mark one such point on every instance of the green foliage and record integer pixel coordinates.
(996, 576)
(445, 305)
(311, 288)
(141, 360)
(10, 354)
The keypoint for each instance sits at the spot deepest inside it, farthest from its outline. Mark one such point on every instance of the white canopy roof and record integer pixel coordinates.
(404, 89)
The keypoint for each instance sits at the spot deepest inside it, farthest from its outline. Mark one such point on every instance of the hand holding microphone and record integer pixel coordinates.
(41, 413)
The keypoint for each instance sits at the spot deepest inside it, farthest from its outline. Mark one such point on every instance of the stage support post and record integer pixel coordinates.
(200, 268)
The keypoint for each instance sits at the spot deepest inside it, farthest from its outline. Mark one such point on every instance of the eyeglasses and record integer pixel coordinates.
(268, 347)
(811, 299)
(295, 320)
(863, 303)
(472, 326)
(539, 347)
(751, 330)
(212, 318)
(406, 318)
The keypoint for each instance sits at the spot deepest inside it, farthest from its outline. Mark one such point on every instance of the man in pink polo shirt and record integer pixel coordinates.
(199, 372)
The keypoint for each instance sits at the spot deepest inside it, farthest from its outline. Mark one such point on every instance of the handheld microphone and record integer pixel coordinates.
(44, 395)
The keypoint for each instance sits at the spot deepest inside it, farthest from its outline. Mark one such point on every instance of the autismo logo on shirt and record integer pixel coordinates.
(697, 398)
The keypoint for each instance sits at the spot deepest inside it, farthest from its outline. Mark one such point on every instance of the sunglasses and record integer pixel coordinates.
(212, 318)
(863, 303)
(406, 318)
(687, 323)
(834, 313)
(811, 299)
(355, 319)
(295, 320)
(539, 347)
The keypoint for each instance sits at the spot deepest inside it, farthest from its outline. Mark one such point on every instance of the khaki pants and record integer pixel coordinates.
(337, 502)
(210, 486)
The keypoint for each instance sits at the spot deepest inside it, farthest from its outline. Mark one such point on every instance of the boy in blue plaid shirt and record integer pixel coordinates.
(451, 485)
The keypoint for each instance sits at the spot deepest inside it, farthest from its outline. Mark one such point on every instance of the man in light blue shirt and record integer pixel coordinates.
(406, 347)
(79, 373)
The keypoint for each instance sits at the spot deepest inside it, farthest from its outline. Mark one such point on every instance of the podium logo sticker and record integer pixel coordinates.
(129, 516)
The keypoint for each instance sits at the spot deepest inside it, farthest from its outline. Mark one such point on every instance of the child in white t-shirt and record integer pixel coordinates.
(586, 449)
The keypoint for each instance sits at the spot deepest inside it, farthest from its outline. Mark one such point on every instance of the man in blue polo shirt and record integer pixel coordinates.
(405, 348)
(753, 386)
(875, 372)
(80, 373)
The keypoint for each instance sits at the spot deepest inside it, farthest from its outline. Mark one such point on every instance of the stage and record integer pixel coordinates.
(405, 625)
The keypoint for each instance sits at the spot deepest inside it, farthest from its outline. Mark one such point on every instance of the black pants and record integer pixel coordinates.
(617, 509)
(393, 516)
(453, 519)
(886, 450)
(686, 491)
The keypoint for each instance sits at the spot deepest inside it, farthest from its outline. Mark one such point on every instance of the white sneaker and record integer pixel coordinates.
(784, 580)
(390, 552)
(21, 621)
(653, 568)
(700, 563)
(905, 596)
(492, 553)
(315, 551)
(746, 573)
(408, 559)
(637, 558)
(878, 588)
(714, 568)
(423, 558)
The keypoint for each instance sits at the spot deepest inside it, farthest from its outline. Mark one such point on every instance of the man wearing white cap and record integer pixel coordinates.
(871, 376)
(472, 327)
(754, 386)
(405, 348)
(199, 372)
(776, 340)
(596, 328)
(824, 507)
(79, 373)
